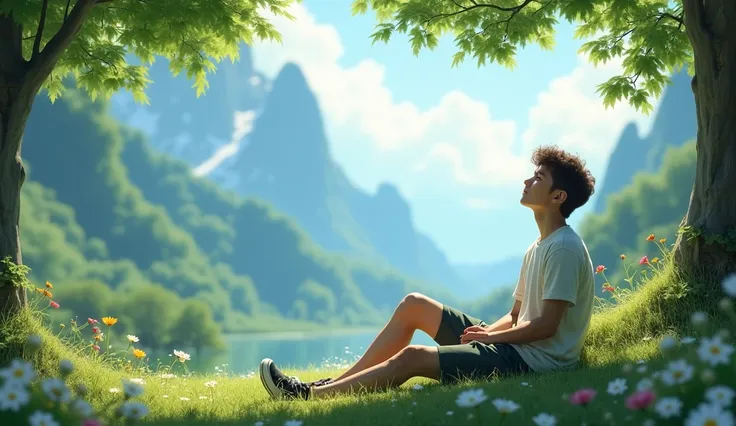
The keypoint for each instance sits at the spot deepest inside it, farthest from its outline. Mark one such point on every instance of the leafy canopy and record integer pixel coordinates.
(648, 34)
(192, 34)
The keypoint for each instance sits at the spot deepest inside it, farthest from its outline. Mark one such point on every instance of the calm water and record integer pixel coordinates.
(295, 350)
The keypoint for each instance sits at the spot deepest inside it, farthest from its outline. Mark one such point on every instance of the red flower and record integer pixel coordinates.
(95, 329)
(644, 261)
(583, 396)
(640, 400)
(599, 269)
(608, 287)
(54, 305)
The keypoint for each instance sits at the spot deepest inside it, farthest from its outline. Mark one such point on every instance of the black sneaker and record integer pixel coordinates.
(321, 382)
(280, 385)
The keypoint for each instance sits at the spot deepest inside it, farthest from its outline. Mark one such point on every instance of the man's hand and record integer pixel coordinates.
(481, 335)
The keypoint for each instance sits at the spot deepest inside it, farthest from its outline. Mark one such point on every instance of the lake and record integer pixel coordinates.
(302, 350)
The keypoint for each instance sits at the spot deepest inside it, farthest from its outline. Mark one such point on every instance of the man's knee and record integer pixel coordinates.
(420, 360)
(413, 302)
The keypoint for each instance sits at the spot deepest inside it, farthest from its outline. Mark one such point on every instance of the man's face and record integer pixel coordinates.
(536, 194)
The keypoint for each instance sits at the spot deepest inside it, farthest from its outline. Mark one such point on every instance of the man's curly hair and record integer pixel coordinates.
(569, 174)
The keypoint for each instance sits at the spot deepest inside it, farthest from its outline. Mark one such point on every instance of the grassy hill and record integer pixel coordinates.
(622, 343)
(102, 210)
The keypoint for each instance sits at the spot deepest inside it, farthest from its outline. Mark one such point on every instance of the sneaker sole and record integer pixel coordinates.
(266, 381)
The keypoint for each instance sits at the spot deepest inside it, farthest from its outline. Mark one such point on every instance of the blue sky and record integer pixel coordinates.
(456, 141)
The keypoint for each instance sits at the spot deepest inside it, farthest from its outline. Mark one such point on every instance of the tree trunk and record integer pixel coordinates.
(712, 210)
(15, 105)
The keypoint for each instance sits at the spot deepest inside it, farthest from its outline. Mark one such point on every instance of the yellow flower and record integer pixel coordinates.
(48, 285)
(109, 321)
(138, 353)
(655, 260)
(98, 337)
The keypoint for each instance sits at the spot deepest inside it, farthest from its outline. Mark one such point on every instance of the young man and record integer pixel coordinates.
(544, 331)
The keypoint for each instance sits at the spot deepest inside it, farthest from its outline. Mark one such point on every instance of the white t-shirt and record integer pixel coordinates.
(558, 267)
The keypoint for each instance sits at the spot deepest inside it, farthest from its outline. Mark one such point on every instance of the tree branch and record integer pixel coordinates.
(11, 48)
(44, 62)
(39, 32)
(514, 9)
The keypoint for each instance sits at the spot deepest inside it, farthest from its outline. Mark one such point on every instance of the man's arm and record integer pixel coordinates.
(540, 328)
(507, 321)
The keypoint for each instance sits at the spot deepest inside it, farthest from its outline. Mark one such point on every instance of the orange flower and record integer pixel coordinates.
(138, 353)
(599, 269)
(663, 240)
(109, 321)
(47, 293)
(98, 337)
(49, 285)
(650, 237)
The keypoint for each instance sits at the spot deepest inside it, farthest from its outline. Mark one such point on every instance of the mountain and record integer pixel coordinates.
(484, 278)
(285, 161)
(124, 215)
(674, 124)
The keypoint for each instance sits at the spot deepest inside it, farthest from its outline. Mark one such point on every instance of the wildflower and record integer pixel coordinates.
(677, 373)
(720, 395)
(698, 318)
(82, 407)
(138, 353)
(641, 369)
(13, 395)
(45, 292)
(81, 389)
(714, 351)
(54, 305)
(132, 338)
(583, 396)
(663, 240)
(623, 256)
(211, 384)
(667, 343)
(95, 347)
(91, 321)
(183, 356)
(293, 423)
(729, 285)
(49, 285)
(644, 384)
(650, 237)
(132, 390)
(167, 376)
(504, 406)
(33, 342)
(608, 287)
(137, 381)
(617, 386)
(668, 407)
(114, 390)
(644, 260)
(109, 321)
(183, 398)
(544, 419)
(655, 260)
(95, 329)
(640, 400)
(66, 367)
(98, 337)
(710, 415)
(56, 390)
(20, 372)
(133, 410)
(418, 387)
(599, 269)
(471, 398)
(688, 340)
(39, 418)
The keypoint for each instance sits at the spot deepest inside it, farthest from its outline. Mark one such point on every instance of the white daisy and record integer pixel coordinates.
(39, 418)
(18, 371)
(729, 285)
(714, 351)
(449, 413)
(132, 338)
(114, 390)
(211, 384)
(668, 407)
(720, 395)
(677, 373)
(66, 367)
(133, 410)
(13, 396)
(183, 356)
(698, 318)
(56, 390)
(709, 415)
(293, 423)
(544, 419)
(641, 369)
(471, 398)
(132, 390)
(82, 408)
(617, 386)
(667, 343)
(644, 384)
(504, 406)
(183, 398)
(688, 340)
(418, 387)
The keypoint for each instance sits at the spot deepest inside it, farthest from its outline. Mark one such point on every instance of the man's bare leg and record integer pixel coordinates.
(415, 312)
(411, 361)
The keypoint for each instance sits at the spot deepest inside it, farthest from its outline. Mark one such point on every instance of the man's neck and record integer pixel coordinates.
(548, 222)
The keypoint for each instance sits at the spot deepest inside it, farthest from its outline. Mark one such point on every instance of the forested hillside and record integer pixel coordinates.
(101, 206)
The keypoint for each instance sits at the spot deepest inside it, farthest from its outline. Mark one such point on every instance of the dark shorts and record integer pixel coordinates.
(472, 360)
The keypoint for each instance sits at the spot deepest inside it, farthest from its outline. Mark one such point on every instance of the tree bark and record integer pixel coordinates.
(712, 208)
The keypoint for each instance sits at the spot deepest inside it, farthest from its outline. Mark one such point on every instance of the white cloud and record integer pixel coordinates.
(457, 138)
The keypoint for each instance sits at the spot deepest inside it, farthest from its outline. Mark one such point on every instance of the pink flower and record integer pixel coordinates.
(644, 260)
(583, 396)
(54, 305)
(95, 330)
(95, 347)
(599, 269)
(640, 399)
(91, 321)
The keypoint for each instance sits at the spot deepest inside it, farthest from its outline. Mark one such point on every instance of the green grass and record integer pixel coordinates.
(619, 335)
